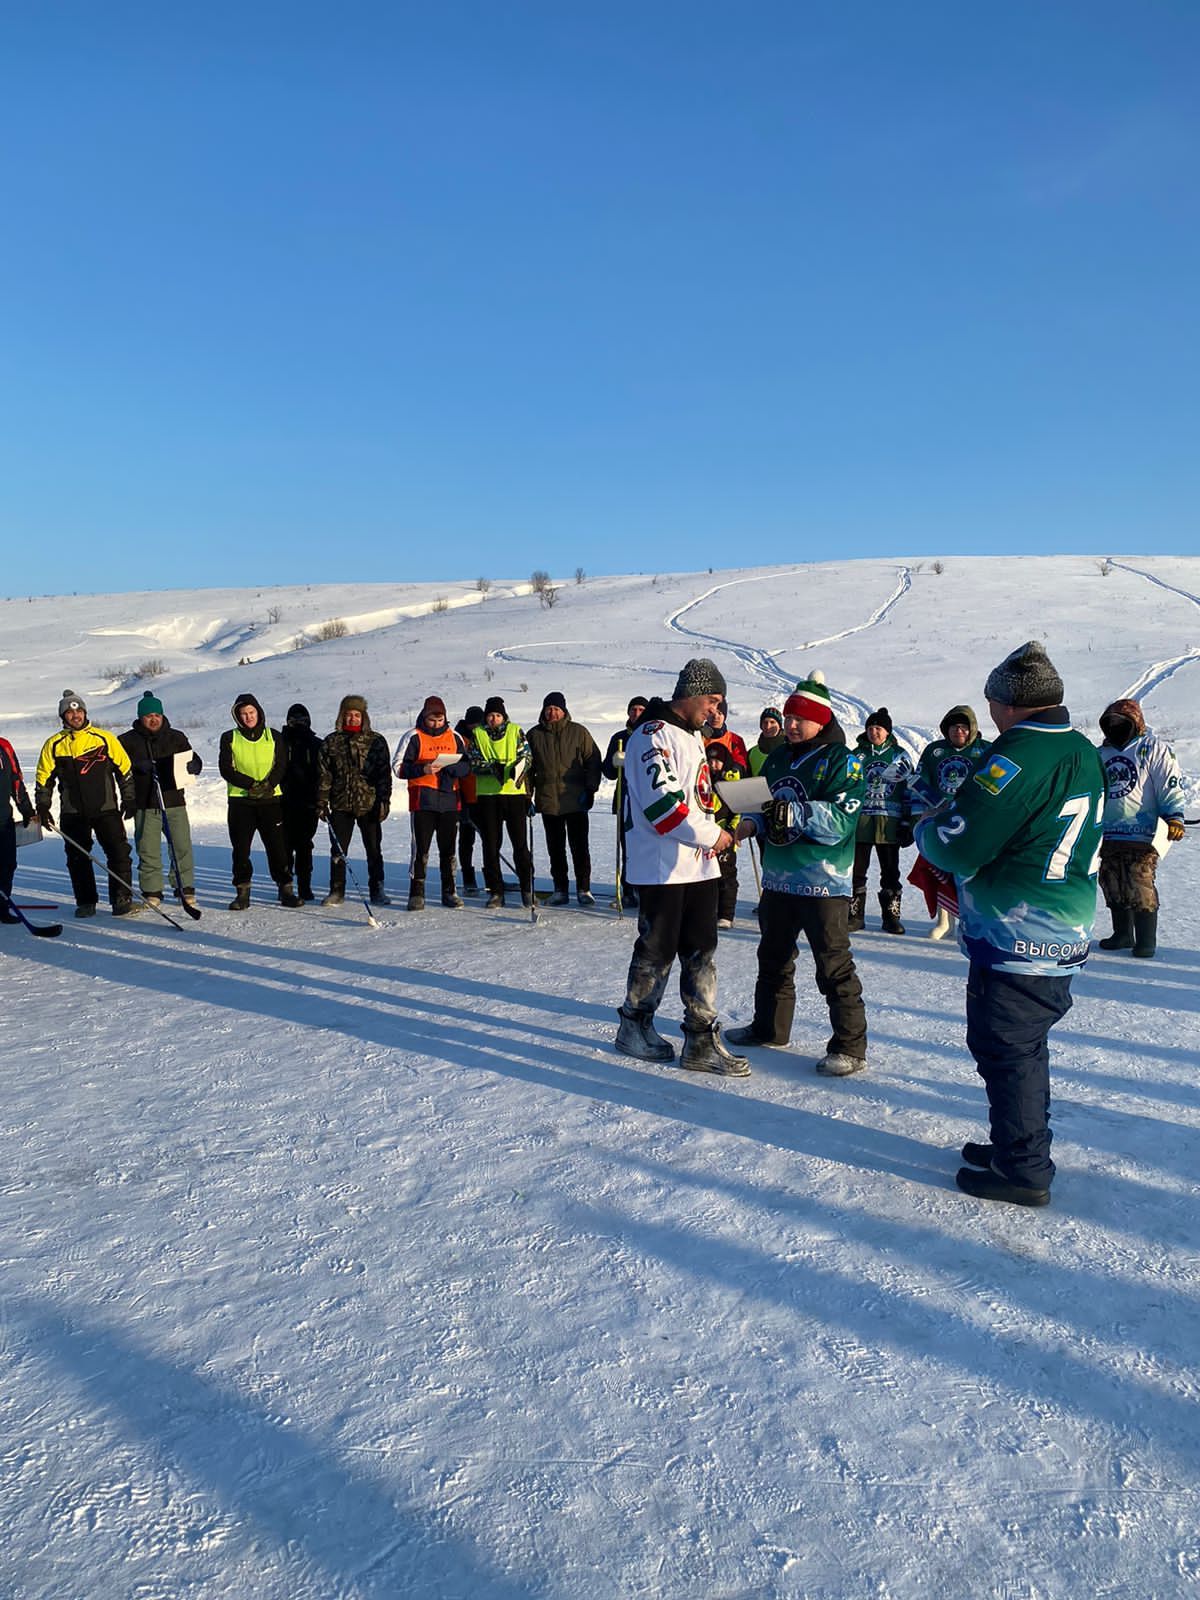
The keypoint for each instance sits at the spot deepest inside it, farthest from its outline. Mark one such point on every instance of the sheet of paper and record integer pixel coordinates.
(744, 795)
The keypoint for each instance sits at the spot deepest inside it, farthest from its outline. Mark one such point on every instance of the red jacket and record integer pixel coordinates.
(12, 785)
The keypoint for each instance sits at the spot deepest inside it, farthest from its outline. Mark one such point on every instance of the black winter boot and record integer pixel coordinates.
(858, 906)
(638, 1037)
(889, 906)
(288, 896)
(1145, 924)
(241, 898)
(704, 1051)
(1121, 938)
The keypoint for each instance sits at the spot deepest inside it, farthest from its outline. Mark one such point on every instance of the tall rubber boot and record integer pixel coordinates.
(889, 907)
(1145, 925)
(858, 906)
(1121, 937)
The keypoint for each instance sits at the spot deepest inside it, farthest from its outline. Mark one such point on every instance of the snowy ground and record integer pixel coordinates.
(349, 1263)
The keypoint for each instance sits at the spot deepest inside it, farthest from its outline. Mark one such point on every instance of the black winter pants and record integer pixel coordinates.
(370, 831)
(727, 901)
(494, 812)
(889, 867)
(8, 856)
(563, 831)
(467, 835)
(264, 817)
(1009, 1017)
(109, 829)
(781, 919)
(299, 831)
(426, 827)
(676, 919)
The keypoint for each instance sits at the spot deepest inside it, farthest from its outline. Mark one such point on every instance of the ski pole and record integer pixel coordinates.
(192, 911)
(50, 930)
(620, 895)
(532, 895)
(336, 844)
(104, 867)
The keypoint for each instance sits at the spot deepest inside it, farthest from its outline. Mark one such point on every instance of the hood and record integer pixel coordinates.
(960, 714)
(248, 700)
(1121, 722)
(352, 702)
(298, 716)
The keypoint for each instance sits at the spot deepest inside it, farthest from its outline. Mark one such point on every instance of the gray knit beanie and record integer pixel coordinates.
(70, 702)
(699, 676)
(1025, 678)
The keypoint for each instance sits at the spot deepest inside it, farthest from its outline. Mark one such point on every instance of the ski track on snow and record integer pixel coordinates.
(1158, 672)
(761, 663)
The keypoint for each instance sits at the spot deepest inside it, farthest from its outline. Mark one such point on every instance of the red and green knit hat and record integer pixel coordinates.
(810, 700)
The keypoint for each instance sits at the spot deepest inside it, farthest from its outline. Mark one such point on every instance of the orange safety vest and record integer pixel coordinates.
(431, 745)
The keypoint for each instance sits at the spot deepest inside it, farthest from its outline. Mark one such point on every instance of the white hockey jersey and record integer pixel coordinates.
(1143, 785)
(667, 806)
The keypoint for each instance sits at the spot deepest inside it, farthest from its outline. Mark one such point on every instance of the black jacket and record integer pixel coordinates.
(303, 765)
(147, 751)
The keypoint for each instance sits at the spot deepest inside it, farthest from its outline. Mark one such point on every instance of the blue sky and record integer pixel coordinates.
(383, 291)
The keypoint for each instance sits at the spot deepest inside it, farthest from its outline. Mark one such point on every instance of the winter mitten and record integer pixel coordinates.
(1175, 829)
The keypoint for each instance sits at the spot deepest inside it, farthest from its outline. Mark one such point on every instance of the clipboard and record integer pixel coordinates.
(181, 778)
(29, 833)
(744, 795)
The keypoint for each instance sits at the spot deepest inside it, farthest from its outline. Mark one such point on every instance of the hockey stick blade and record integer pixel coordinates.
(46, 930)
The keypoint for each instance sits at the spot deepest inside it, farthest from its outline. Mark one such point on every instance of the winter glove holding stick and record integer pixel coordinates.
(44, 818)
(904, 834)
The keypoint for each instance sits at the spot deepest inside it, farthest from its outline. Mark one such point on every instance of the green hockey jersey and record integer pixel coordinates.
(1022, 837)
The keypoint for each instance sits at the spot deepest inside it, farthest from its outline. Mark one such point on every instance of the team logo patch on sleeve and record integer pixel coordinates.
(995, 773)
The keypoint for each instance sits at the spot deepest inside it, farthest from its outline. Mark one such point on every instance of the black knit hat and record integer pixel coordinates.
(299, 714)
(1027, 677)
(698, 676)
(638, 700)
(494, 703)
(555, 698)
(880, 719)
(770, 711)
(473, 716)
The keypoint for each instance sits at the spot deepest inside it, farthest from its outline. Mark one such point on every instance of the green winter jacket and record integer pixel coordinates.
(817, 790)
(565, 767)
(1022, 838)
(942, 766)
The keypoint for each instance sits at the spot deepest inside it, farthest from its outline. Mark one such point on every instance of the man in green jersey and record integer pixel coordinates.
(1021, 836)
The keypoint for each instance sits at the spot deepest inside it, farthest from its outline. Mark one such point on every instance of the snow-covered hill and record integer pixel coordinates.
(349, 1263)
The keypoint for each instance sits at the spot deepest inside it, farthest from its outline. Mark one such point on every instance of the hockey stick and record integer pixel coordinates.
(104, 867)
(754, 864)
(533, 913)
(333, 840)
(192, 911)
(50, 930)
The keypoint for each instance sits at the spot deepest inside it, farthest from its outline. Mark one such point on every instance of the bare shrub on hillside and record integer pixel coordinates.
(114, 674)
(538, 581)
(441, 604)
(155, 667)
(939, 567)
(274, 615)
(1105, 567)
(335, 628)
(549, 595)
(580, 574)
(483, 585)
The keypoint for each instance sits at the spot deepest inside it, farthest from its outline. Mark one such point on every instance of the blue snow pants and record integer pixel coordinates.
(1009, 1017)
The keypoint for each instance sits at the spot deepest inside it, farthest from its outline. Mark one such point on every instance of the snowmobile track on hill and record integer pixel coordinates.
(1158, 672)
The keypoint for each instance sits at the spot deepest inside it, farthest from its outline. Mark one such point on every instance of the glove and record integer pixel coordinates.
(904, 835)
(260, 789)
(195, 766)
(384, 807)
(585, 800)
(128, 810)
(498, 770)
(27, 814)
(45, 820)
(144, 766)
(323, 813)
(618, 759)
(1175, 829)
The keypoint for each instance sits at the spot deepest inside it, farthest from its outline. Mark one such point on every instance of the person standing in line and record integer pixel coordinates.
(1022, 838)
(152, 745)
(1144, 788)
(355, 787)
(12, 793)
(611, 766)
(467, 831)
(886, 771)
(717, 727)
(673, 842)
(500, 761)
(770, 737)
(807, 836)
(432, 760)
(565, 774)
(941, 768)
(91, 771)
(724, 769)
(252, 759)
(301, 780)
